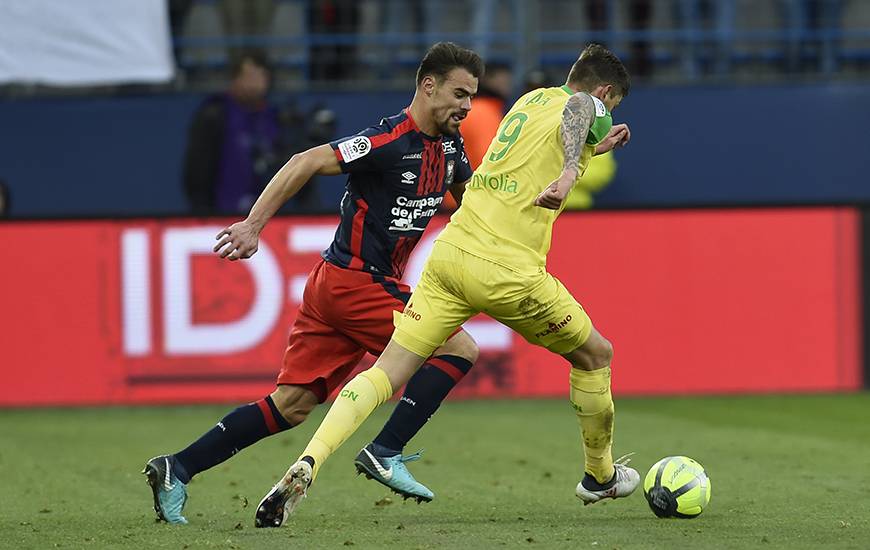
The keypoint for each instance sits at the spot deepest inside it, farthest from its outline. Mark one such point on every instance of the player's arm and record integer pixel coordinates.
(577, 117)
(618, 136)
(458, 189)
(240, 240)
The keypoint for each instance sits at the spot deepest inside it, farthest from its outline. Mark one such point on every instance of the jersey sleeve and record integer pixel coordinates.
(463, 169)
(363, 152)
(601, 125)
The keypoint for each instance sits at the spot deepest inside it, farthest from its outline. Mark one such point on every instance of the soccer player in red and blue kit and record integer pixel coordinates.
(398, 172)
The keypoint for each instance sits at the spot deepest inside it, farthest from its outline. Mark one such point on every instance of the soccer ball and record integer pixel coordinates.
(677, 487)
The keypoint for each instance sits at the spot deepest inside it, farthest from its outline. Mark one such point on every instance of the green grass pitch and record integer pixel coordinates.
(787, 472)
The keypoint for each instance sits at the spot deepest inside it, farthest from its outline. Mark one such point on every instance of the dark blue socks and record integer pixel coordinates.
(423, 395)
(241, 428)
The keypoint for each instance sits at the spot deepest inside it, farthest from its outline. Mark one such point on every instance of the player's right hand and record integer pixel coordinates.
(553, 196)
(237, 242)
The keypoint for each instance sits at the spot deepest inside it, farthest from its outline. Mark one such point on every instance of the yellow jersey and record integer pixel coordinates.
(498, 220)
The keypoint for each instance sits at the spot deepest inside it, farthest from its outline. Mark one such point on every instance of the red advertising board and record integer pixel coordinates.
(140, 311)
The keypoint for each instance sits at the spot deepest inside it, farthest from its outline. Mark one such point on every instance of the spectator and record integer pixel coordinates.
(333, 62)
(487, 110)
(599, 13)
(178, 12)
(320, 126)
(243, 20)
(483, 22)
(714, 18)
(234, 142)
(420, 19)
(806, 50)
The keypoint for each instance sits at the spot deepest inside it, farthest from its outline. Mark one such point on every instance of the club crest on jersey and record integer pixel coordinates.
(448, 173)
(354, 148)
(449, 147)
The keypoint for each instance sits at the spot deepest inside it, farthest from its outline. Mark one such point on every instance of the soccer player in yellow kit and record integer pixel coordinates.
(491, 258)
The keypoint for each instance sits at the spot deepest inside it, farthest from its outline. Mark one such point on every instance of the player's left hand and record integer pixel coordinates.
(238, 241)
(618, 136)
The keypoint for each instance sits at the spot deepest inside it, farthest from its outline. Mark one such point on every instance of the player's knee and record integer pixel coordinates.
(294, 403)
(296, 416)
(461, 345)
(603, 353)
(596, 353)
(470, 351)
(296, 412)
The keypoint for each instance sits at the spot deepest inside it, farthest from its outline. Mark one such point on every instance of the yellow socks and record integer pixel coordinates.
(355, 402)
(590, 396)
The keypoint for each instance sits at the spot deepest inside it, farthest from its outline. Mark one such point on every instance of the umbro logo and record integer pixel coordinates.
(409, 177)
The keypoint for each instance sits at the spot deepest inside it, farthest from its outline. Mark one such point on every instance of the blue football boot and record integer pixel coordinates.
(392, 472)
(170, 494)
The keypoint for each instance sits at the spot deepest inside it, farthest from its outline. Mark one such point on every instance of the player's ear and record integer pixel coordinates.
(428, 85)
(607, 89)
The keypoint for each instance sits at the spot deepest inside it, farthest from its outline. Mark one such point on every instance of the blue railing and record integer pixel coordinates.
(689, 44)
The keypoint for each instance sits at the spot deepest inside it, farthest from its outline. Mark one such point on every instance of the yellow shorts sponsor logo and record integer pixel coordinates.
(497, 182)
(411, 313)
(553, 328)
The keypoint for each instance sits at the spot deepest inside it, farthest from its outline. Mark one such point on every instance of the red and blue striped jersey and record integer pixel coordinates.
(397, 180)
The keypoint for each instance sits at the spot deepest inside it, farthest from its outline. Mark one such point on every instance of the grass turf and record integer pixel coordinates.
(787, 472)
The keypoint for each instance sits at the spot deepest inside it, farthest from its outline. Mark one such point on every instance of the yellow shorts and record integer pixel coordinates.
(456, 285)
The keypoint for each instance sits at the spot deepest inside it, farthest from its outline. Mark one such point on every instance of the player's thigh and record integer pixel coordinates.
(368, 317)
(547, 315)
(318, 356)
(436, 308)
(356, 304)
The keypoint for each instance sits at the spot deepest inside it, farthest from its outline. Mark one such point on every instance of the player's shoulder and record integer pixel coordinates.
(397, 124)
(394, 131)
(388, 138)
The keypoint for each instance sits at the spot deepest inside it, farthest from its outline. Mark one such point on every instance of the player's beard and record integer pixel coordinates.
(451, 125)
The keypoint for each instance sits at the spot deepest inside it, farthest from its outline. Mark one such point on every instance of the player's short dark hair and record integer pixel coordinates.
(443, 57)
(256, 56)
(599, 66)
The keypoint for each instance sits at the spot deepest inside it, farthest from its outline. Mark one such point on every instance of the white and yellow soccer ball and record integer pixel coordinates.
(678, 487)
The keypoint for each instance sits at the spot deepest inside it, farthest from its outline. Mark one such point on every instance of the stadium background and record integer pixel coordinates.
(729, 255)
(732, 228)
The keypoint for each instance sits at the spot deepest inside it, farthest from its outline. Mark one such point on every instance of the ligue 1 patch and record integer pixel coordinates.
(354, 148)
(600, 109)
(448, 174)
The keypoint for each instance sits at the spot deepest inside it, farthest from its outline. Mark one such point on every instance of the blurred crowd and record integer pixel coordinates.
(341, 40)
(238, 139)
(240, 51)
